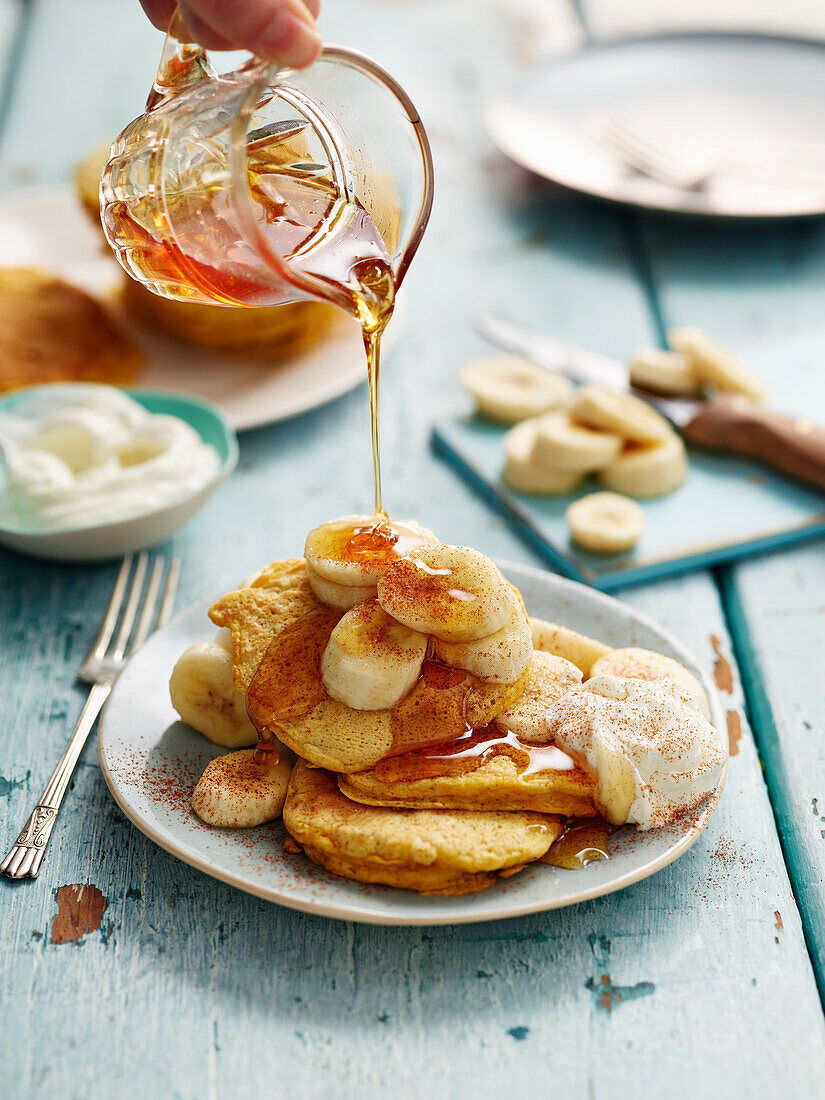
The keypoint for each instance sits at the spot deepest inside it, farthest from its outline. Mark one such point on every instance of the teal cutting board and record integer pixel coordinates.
(728, 509)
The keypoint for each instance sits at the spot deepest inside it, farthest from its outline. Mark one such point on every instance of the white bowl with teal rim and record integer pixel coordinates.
(99, 541)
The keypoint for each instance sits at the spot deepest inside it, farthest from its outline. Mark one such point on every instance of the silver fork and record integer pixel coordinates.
(101, 668)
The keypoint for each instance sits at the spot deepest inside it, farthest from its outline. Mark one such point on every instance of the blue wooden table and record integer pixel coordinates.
(704, 981)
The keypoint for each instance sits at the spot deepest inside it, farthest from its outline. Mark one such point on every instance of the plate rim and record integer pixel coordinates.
(591, 46)
(341, 911)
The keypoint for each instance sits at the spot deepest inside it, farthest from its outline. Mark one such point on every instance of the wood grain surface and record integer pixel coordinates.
(127, 974)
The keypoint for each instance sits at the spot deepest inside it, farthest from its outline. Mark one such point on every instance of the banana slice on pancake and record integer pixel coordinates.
(550, 678)
(346, 556)
(453, 593)
(371, 661)
(564, 642)
(500, 657)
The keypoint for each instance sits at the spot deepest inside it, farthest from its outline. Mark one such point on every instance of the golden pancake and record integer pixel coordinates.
(51, 331)
(277, 597)
(266, 332)
(433, 852)
(493, 780)
(333, 735)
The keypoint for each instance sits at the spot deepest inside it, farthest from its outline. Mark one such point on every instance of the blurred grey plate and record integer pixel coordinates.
(724, 89)
(151, 762)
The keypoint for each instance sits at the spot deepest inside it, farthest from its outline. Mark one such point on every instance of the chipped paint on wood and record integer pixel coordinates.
(722, 673)
(80, 909)
(734, 724)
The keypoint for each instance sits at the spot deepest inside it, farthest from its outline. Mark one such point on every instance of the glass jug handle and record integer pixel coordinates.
(183, 64)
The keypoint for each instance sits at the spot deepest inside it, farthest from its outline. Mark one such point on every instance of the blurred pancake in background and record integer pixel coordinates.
(51, 331)
(268, 332)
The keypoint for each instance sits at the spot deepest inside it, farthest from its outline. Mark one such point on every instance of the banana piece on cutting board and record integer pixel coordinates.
(508, 388)
(626, 416)
(565, 445)
(524, 472)
(606, 523)
(714, 364)
(650, 470)
(667, 372)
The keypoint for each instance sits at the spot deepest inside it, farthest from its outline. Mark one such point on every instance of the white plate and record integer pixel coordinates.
(719, 88)
(49, 229)
(151, 763)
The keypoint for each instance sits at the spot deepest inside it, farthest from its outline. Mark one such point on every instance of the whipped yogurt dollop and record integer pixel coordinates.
(90, 454)
(651, 755)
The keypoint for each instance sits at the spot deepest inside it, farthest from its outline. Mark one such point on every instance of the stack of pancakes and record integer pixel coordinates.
(363, 812)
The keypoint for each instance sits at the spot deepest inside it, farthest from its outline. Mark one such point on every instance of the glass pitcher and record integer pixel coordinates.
(268, 185)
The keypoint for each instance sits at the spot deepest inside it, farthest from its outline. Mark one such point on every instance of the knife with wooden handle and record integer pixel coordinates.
(792, 445)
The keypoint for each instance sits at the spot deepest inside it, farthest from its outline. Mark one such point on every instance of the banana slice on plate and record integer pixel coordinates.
(236, 793)
(204, 695)
(497, 658)
(666, 372)
(550, 678)
(371, 661)
(525, 473)
(606, 523)
(508, 389)
(351, 552)
(563, 445)
(714, 364)
(561, 641)
(452, 592)
(648, 471)
(627, 416)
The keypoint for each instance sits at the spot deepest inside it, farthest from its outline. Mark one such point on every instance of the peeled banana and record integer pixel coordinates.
(606, 523)
(507, 388)
(648, 471)
(371, 661)
(204, 695)
(236, 793)
(525, 473)
(452, 592)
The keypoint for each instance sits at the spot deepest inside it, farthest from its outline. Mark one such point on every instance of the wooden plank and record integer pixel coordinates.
(189, 988)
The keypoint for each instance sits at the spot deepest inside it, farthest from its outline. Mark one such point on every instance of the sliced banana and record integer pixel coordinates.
(497, 658)
(667, 372)
(523, 471)
(645, 664)
(648, 471)
(355, 550)
(561, 641)
(204, 695)
(223, 638)
(452, 592)
(508, 388)
(550, 678)
(627, 416)
(606, 523)
(236, 793)
(340, 596)
(714, 364)
(371, 661)
(563, 445)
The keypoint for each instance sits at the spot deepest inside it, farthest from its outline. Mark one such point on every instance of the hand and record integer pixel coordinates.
(279, 30)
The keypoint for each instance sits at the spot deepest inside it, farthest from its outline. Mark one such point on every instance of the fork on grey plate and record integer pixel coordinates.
(103, 664)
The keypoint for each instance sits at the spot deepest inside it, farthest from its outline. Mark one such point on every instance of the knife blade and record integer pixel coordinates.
(727, 422)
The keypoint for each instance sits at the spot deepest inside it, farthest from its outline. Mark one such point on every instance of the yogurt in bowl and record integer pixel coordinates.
(90, 472)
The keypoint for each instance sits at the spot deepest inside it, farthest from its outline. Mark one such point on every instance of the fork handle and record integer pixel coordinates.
(26, 856)
(793, 445)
